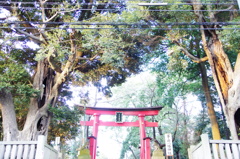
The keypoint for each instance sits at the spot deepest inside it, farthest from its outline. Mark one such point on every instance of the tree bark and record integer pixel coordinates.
(226, 85)
(211, 112)
(226, 80)
(38, 117)
(10, 129)
(49, 82)
(50, 73)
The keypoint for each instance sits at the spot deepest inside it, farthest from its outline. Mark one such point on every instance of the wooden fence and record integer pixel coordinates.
(215, 149)
(27, 149)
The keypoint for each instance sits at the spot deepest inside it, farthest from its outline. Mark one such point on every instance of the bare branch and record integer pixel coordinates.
(188, 54)
(53, 16)
(192, 57)
(132, 152)
(43, 10)
(29, 35)
(61, 12)
(229, 8)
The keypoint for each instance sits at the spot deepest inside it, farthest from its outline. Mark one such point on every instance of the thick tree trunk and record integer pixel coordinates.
(211, 111)
(48, 79)
(226, 80)
(227, 83)
(38, 117)
(223, 78)
(49, 82)
(10, 130)
(233, 102)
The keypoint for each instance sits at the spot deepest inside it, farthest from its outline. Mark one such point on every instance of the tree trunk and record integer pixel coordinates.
(233, 102)
(226, 80)
(10, 130)
(211, 111)
(154, 129)
(49, 83)
(48, 79)
(227, 86)
(225, 127)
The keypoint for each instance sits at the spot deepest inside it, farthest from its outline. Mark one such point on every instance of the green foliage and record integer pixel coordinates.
(108, 43)
(141, 91)
(180, 148)
(65, 123)
(130, 142)
(172, 85)
(55, 47)
(15, 78)
(137, 91)
(230, 40)
(133, 13)
(71, 149)
(112, 55)
(100, 54)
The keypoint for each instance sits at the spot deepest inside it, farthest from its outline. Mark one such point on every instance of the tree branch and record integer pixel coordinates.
(231, 7)
(193, 58)
(53, 65)
(51, 18)
(132, 152)
(30, 35)
(209, 55)
(188, 54)
(43, 10)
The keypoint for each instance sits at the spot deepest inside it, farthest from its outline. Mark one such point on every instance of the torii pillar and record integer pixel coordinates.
(145, 151)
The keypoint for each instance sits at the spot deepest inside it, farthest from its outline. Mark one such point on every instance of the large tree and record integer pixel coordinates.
(226, 78)
(222, 57)
(42, 50)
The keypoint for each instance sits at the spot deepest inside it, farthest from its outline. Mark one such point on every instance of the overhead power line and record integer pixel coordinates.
(123, 24)
(152, 28)
(128, 3)
(119, 9)
(131, 26)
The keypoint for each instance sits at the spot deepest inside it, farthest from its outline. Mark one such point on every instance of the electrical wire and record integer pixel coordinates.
(123, 24)
(58, 3)
(137, 25)
(119, 9)
(153, 28)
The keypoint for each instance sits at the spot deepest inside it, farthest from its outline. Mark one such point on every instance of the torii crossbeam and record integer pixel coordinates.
(145, 152)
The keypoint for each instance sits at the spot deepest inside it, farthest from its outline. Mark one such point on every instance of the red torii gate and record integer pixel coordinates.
(145, 152)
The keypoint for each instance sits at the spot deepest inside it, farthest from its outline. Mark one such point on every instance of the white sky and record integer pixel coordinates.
(107, 146)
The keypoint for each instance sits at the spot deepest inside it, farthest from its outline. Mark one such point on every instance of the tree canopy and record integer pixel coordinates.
(48, 46)
(43, 50)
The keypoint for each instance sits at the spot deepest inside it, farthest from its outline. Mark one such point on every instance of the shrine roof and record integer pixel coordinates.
(126, 111)
(122, 109)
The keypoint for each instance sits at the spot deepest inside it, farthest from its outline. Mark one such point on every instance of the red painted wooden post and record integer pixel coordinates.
(142, 135)
(147, 148)
(95, 133)
(91, 142)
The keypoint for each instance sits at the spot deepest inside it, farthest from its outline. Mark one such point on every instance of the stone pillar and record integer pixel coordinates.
(84, 154)
(157, 153)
